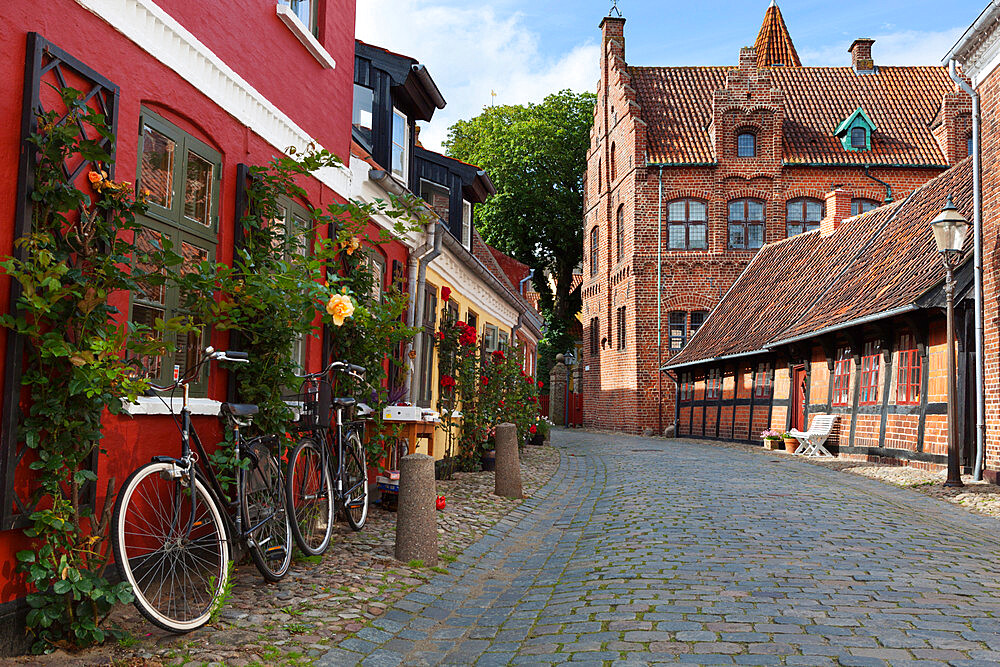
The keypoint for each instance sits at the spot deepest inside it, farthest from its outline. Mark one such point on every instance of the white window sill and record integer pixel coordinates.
(304, 35)
(149, 405)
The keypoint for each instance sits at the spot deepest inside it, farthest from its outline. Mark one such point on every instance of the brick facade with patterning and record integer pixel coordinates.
(667, 184)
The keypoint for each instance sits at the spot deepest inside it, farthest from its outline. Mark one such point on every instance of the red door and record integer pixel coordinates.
(799, 397)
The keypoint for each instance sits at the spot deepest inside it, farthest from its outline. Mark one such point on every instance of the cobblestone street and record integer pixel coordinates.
(646, 551)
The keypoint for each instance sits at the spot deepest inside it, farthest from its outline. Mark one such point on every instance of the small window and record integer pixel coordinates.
(686, 388)
(594, 335)
(504, 344)
(621, 328)
(746, 224)
(697, 319)
(677, 330)
(621, 232)
(909, 372)
(859, 206)
(466, 223)
(425, 373)
(859, 138)
(437, 197)
(687, 225)
(361, 117)
(842, 377)
(374, 264)
(306, 11)
(472, 319)
(968, 144)
(746, 144)
(803, 215)
(490, 338)
(868, 391)
(594, 253)
(400, 144)
(713, 385)
(762, 381)
(613, 176)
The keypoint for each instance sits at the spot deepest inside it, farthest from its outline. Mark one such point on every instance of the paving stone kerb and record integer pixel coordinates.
(416, 514)
(643, 551)
(508, 467)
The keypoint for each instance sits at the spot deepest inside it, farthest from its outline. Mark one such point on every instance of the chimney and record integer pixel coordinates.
(748, 58)
(838, 208)
(613, 30)
(861, 55)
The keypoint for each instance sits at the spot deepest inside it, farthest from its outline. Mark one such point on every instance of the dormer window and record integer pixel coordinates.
(855, 132)
(361, 121)
(400, 144)
(746, 144)
(859, 138)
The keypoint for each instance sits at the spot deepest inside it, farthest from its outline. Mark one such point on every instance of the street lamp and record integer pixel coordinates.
(950, 228)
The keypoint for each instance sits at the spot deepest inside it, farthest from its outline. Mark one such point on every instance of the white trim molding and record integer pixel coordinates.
(165, 39)
(303, 34)
(978, 49)
(146, 405)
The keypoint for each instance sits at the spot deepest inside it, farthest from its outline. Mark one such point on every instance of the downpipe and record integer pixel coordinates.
(977, 252)
(423, 260)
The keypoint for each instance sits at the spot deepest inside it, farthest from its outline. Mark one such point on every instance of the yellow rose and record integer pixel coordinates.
(340, 307)
(353, 245)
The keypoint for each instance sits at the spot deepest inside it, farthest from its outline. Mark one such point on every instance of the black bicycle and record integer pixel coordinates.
(174, 522)
(311, 498)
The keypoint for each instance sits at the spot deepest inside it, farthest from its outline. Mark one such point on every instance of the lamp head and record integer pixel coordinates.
(950, 228)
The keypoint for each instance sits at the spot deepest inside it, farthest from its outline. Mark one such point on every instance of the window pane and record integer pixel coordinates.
(188, 351)
(811, 227)
(298, 242)
(437, 197)
(745, 145)
(755, 210)
(303, 9)
(859, 138)
(756, 236)
(736, 236)
(676, 211)
(697, 210)
(193, 256)
(736, 210)
(361, 118)
(198, 189)
(698, 236)
(677, 240)
(147, 316)
(794, 230)
(399, 143)
(697, 319)
(814, 211)
(795, 211)
(148, 242)
(158, 167)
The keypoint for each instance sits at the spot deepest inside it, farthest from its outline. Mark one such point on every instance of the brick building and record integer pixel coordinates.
(692, 169)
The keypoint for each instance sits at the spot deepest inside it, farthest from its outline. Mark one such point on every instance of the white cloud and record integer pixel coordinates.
(905, 47)
(471, 52)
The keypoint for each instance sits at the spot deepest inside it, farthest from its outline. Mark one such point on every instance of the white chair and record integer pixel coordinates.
(811, 442)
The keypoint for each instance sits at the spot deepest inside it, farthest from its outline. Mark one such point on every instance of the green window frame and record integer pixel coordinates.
(183, 177)
(296, 221)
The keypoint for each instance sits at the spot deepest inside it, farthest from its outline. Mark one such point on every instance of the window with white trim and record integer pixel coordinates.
(466, 223)
(307, 11)
(400, 158)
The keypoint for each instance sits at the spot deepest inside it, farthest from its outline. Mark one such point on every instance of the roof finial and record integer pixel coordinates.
(615, 10)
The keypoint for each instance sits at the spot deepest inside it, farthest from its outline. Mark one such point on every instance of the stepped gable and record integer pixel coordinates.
(676, 104)
(774, 45)
(874, 263)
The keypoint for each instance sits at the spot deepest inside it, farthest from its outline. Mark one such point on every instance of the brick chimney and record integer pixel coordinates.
(748, 58)
(838, 208)
(613, 30)
(861, 55)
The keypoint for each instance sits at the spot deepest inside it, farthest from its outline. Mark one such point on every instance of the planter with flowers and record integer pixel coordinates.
(771, 439)
(791, 443)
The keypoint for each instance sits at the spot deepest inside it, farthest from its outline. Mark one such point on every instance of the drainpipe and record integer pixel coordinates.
(436, 234)
(977, 252)
(659, 309)
(520, 285)
(888, 188)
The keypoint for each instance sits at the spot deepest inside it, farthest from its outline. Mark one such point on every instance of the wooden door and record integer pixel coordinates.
(799, 397)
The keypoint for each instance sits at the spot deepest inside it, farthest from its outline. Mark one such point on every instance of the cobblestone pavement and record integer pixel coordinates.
(643, 551)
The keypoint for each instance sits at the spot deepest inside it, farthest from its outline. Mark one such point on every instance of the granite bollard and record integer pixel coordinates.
(507, 478)
(416, 514)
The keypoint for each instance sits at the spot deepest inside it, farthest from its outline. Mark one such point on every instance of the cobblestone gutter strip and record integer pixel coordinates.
(324, 600)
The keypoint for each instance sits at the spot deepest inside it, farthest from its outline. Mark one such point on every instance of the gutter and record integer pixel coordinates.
(428, 82)
(986, 17)
(888, 188)
(863, 164)
(977, 238)
(433, 250)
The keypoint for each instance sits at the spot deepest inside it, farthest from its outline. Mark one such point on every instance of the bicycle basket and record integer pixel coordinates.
(313, 404)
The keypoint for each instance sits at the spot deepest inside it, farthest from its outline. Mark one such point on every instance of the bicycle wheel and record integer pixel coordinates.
(355, 482)
(307, 494)
(171, 546)
(262, 504)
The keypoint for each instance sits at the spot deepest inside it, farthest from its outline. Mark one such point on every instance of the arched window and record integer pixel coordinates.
(746, 144)
(687, 225)
(594, 256)
(859, 206)
(803, 215)
(613, 175)
(859, 138)
(621, 232)
(746, 224)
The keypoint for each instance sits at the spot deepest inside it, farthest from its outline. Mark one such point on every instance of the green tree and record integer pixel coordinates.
(535, 155)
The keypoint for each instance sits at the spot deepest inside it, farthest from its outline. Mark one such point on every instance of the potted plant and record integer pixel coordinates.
(791, 443)
(489, 456)
(771, 438)
(538, 433)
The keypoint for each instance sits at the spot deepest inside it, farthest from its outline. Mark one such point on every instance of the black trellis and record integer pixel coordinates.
(45, 66)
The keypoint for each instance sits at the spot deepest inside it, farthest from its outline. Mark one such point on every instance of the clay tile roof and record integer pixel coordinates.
(875, 264)
(774, 44)
(676, 104)
(514, 270)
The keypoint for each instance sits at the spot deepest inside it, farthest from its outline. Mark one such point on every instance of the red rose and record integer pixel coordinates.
(445, 293)
(528, 380)
(440, 335)
(440, 502)
(460, 324)
(533, 429)
(539, 384)
(447, 381)
(498, 354)
(485, 380)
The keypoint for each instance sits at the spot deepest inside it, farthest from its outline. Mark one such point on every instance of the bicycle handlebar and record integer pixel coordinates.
(350, 369)
(209, 354)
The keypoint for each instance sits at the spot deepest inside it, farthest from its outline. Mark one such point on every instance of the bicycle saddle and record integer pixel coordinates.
(240, 409)
(344, 402)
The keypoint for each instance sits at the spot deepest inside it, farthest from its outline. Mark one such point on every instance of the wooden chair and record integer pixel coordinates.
(811, 442)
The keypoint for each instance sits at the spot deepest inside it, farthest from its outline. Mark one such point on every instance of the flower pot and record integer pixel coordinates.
(791, 444)
(489, 460)
(537, 439)
(771, 444)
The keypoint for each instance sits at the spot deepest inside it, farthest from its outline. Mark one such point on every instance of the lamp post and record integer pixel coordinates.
(950, 228)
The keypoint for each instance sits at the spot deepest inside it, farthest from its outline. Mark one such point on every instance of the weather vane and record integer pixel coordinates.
(614, 8)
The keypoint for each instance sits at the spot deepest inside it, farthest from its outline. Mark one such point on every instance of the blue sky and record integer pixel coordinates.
(525, 49)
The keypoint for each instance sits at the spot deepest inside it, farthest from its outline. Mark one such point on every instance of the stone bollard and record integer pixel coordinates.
(416, 514)
(507, 478)
(557, 394)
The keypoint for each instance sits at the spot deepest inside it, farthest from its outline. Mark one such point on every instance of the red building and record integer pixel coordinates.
(183, 80)
(693, 169)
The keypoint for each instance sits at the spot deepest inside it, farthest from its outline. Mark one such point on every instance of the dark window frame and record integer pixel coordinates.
(763, 384)
(804, 223)
(746, 223)
(742, 149)
(858, 204)
(595, 247)
(713, 385)
(681, 337)
(620, 313)
(862, 132)
(620, 220)
(687, 223)
(909, 371)
(595, 333)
